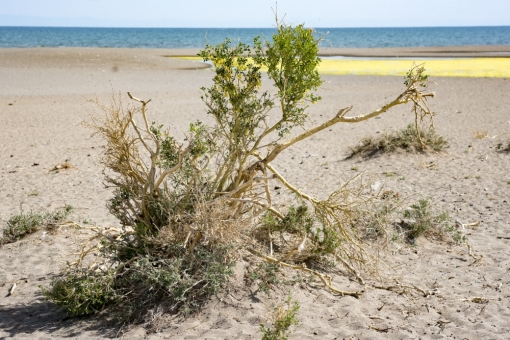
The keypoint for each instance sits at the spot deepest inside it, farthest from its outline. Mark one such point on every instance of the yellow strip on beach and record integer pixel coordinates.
(454, 67)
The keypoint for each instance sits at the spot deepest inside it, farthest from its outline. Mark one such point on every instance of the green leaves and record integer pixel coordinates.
(292, 65)
(291, 61)
(416, 75)
(82, 292)
(234, 98)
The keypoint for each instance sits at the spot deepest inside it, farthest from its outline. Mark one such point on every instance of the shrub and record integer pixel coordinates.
(265, 275)
(404, 139)
(189, 210)
(422, 219)
(24, 224)
(81, 292)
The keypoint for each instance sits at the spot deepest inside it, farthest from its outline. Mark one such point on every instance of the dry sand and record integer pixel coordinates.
(43, 99)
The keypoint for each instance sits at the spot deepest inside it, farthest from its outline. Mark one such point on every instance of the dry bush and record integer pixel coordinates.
(188, 210)
(404, 139)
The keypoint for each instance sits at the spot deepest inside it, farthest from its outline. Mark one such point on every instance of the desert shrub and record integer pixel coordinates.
(189, 209)
(404, 139)
(24, 224)
(422, 219)
(182, 280)
(281, 318)
(81, 292)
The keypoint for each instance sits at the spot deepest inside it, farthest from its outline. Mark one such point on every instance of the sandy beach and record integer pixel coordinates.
(45, 96)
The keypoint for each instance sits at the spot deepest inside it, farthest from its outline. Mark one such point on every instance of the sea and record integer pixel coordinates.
(199, 37)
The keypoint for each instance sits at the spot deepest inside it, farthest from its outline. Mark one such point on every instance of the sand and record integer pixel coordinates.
(44, 97)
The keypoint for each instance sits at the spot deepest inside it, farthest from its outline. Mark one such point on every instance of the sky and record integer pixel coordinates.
(254, 13)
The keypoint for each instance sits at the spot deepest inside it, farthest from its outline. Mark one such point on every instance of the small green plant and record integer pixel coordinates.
(33, 193)
(354, 168)
(24, 224)
(87, 221)
(404, 139)
(421, 219)
(281, 318)
(299, 222)
(82, 292)
(265, 275)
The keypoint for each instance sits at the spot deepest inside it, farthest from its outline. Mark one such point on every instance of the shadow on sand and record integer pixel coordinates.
(22, 320)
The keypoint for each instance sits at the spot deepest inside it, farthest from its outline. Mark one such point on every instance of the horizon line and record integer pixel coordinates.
(189, 27)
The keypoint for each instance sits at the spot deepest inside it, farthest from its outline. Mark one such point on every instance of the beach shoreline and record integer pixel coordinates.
(480, 51)
(479, 61)
(45, 96)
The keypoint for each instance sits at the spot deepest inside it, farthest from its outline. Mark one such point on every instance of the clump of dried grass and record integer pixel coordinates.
(404, 139)
(480, 134)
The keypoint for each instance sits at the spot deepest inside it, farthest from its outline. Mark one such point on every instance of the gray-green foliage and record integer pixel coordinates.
(421, 218)
(265, 275)
(23, 224)
(281, 320)
(82, 292)
(300, 221)
(182, 281)
(404, 139)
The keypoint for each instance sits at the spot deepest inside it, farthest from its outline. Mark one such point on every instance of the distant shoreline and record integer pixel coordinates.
(481, 51)
(478, 61)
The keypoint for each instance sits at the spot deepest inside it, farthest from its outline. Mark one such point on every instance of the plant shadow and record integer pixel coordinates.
(39, 316)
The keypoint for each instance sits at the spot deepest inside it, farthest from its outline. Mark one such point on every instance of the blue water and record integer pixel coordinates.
(198, 37)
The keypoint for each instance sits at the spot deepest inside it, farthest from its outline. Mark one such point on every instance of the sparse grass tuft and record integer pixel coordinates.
(405, 139)
(24, 224)
(282, 318)
(421, 219)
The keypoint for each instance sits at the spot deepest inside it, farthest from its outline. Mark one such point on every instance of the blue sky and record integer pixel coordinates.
(254, 13)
